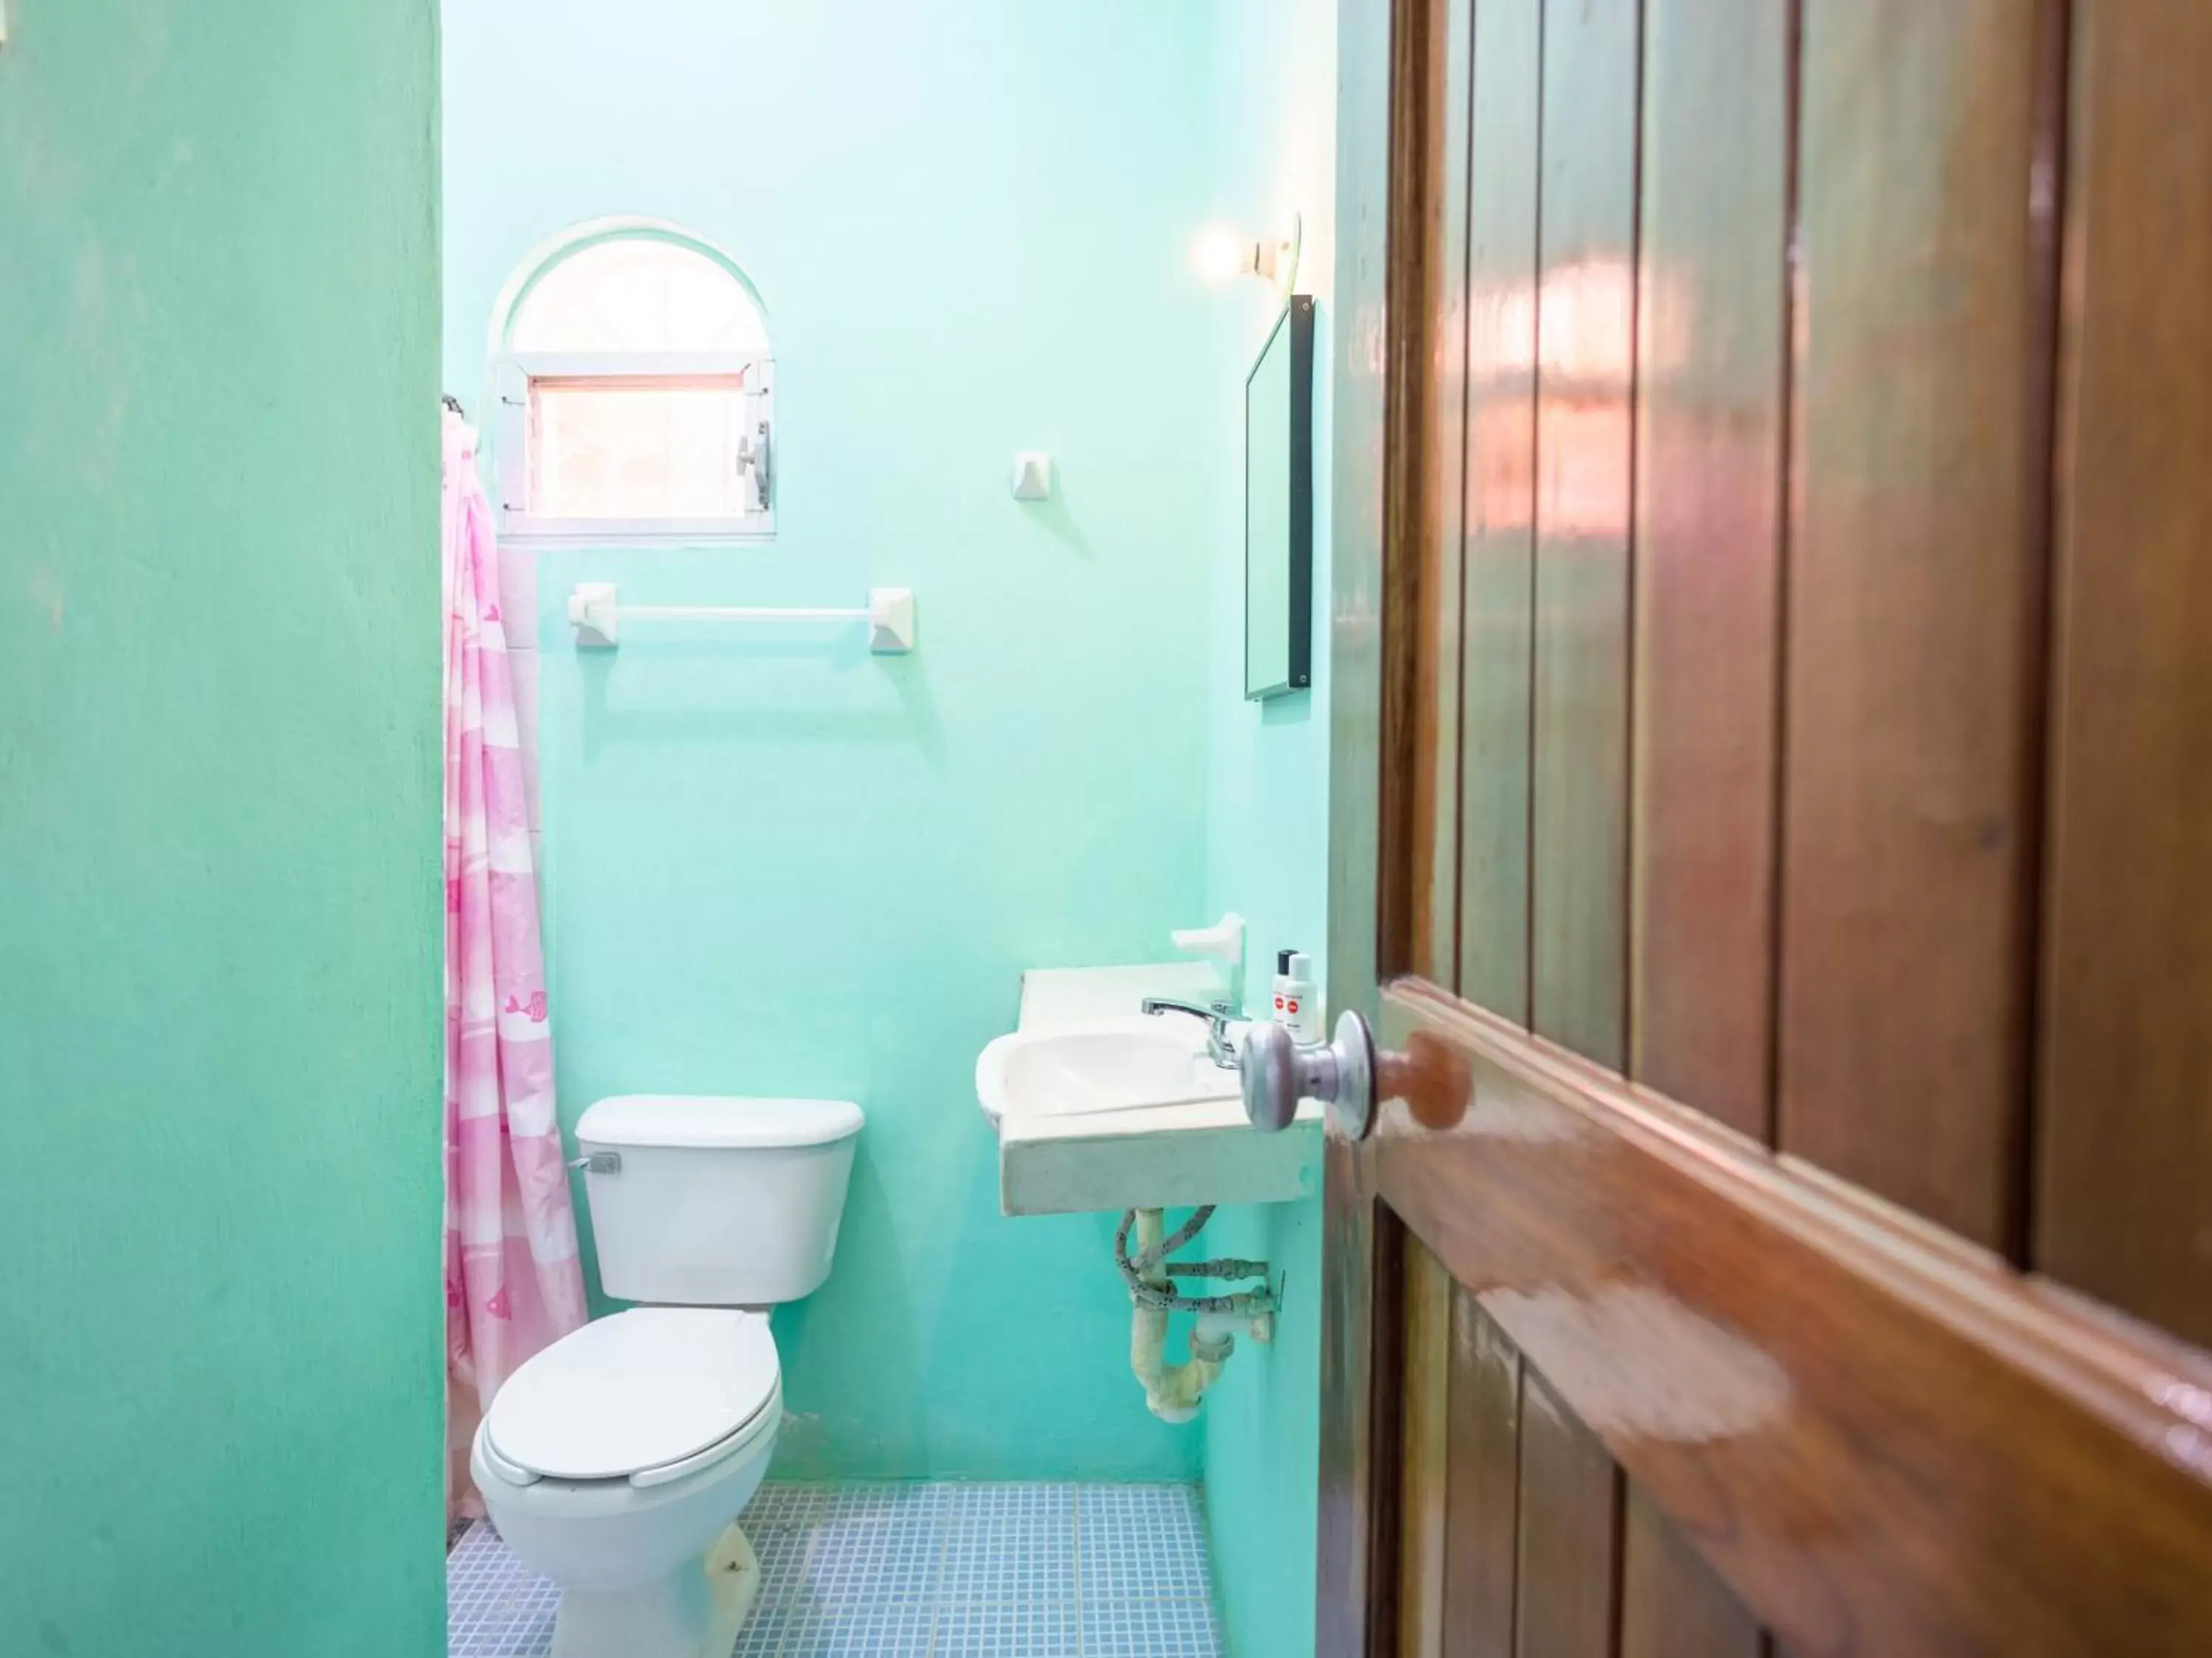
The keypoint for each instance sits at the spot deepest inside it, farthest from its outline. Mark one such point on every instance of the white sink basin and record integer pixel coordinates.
(1105, 1065)
(1097, 1108)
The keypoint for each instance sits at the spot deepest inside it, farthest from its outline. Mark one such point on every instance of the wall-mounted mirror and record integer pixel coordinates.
(1279, 507)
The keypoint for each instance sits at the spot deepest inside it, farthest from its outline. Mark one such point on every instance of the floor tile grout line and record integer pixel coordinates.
(805, 1559)
(1075, 1567)
(937, 1584)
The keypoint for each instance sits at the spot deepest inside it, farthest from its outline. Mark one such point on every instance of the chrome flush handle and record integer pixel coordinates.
(598, 1162)
(1277, 1074)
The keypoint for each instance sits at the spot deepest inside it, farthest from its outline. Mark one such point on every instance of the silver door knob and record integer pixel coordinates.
(1277, 1074)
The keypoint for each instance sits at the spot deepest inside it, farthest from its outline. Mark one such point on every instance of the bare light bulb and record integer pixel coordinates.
(1219, 254)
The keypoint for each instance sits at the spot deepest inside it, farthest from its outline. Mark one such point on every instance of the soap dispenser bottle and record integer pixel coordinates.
(1295, 1005)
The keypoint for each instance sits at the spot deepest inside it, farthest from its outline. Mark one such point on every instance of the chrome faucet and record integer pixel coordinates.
(1216, 1015)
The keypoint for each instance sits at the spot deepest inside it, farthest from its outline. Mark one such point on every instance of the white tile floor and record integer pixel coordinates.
(920, 1572)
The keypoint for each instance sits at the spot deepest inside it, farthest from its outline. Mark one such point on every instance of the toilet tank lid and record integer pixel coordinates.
(716, 1121)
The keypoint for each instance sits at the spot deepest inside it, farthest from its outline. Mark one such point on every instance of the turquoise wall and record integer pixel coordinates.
(219, 887)
(777, 866)
(1266, 825)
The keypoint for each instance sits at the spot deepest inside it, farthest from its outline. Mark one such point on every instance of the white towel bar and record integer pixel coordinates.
(596, 617)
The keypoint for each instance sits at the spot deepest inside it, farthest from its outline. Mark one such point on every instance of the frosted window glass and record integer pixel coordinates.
(638, 294)
(616, 451)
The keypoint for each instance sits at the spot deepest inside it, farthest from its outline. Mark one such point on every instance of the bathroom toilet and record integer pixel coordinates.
(616, 1462)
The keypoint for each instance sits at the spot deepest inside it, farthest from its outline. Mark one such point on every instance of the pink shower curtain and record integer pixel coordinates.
(512, 1283)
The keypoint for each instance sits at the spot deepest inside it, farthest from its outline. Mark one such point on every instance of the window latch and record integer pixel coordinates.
(754, 460)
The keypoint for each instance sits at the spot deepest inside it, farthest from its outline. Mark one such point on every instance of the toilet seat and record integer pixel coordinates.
(646, 1397)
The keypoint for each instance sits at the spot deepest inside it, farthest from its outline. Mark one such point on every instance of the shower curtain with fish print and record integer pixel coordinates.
(512, 1283)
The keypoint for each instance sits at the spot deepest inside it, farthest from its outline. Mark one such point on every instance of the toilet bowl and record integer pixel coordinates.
(615, 1462)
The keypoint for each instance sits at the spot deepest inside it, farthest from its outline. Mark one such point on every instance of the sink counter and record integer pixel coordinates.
(1201, 1151)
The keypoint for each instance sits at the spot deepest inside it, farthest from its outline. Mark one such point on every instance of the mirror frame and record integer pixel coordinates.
(1296, 318)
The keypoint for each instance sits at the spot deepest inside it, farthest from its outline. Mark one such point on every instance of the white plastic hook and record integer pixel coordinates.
(1224, 942)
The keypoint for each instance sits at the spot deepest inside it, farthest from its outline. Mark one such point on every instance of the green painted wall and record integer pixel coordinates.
(219, 1319)
(1266, 826)
(773, 867)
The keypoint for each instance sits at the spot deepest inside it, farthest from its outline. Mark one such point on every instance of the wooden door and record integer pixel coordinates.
(1772, 818)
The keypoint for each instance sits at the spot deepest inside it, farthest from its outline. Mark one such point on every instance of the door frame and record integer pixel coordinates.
(1382, 52)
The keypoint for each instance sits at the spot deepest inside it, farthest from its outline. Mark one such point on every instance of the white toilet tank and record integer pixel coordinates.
(713, 1200)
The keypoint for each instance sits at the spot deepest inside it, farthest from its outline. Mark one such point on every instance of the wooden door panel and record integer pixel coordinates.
(1517, 1533)
(1776, 1363)
(1711, 361)
(1915, 580)
(1427, 1375)
(2124, 1205)
(1497, 637)
(1482, 1518)
(1570, 1512)
(1585, 335)
(1671, 1603)
(1355, 1599)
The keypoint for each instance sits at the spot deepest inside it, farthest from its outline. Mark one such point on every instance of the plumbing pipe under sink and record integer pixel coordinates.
(1172, 1391)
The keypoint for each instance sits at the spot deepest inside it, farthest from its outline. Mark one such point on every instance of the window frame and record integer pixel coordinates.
(515, 375)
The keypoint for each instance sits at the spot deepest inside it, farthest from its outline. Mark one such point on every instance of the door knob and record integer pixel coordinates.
(1277, 1074)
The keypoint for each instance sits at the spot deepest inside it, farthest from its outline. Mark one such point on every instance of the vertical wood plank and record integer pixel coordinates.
(1501, 506)
(1436, 909)
(1569, 1523)
(1711, 356)
(1483, 1506)
(1362, 1351)
(2124, 1205)
(1672, 1604)
(1586, 329)
(1425, 1476)
(1919, 513)
(1406, 769)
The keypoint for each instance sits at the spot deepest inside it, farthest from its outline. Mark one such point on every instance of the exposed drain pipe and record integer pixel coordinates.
(1172, 1391)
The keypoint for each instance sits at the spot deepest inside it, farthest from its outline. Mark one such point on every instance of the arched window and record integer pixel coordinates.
(635, 395)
